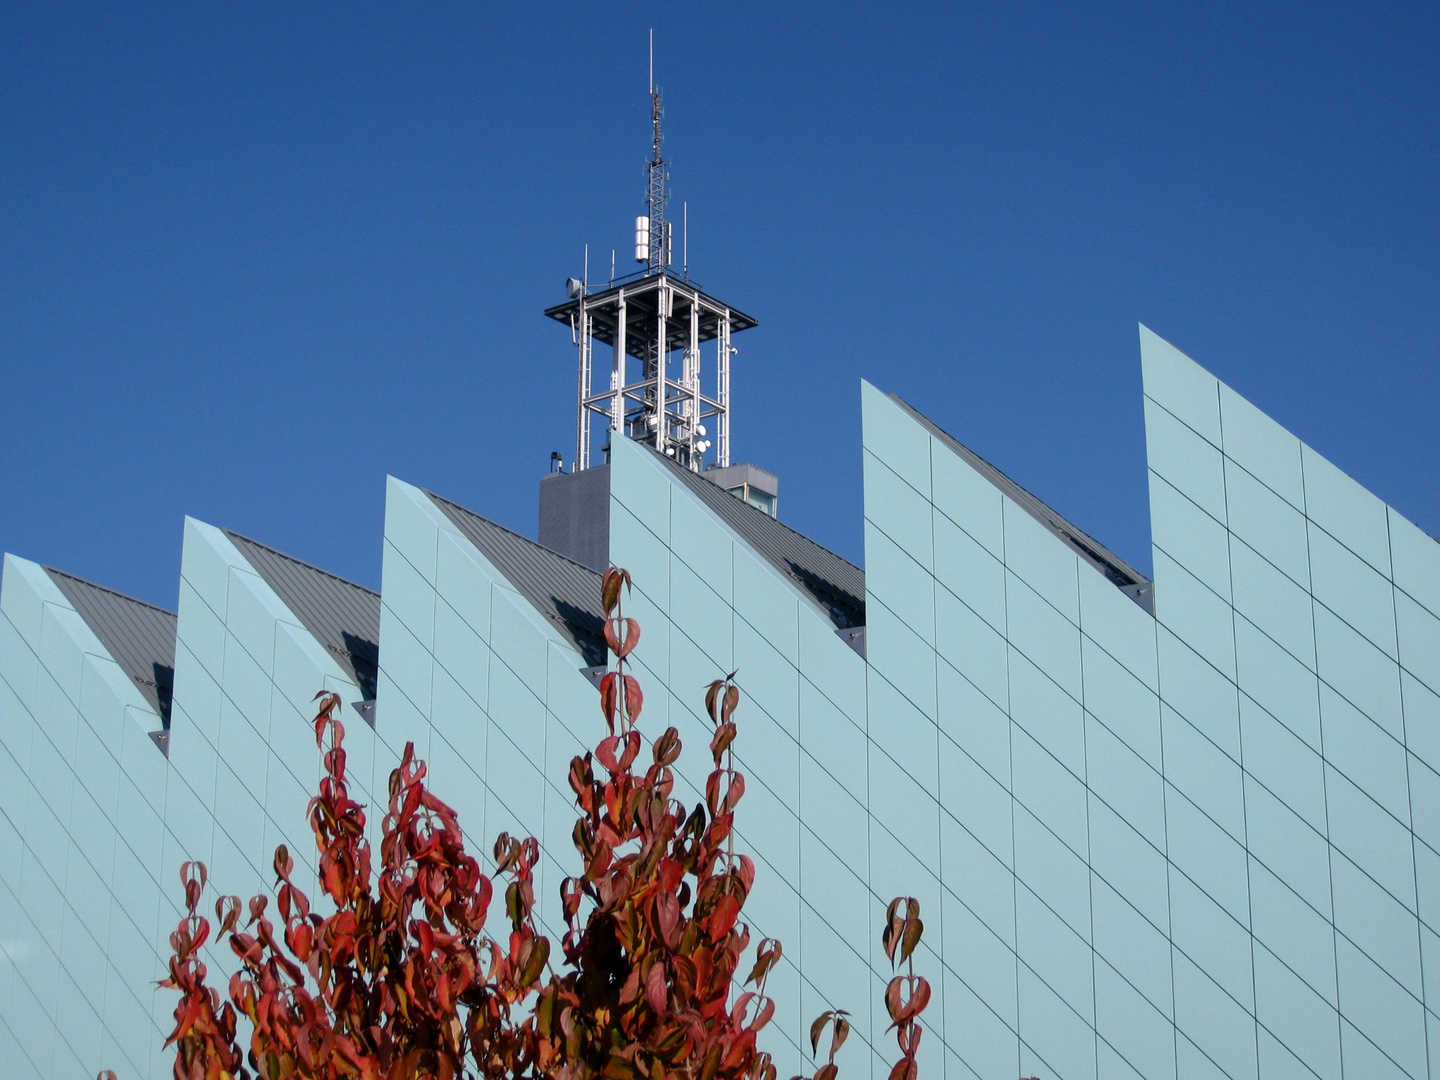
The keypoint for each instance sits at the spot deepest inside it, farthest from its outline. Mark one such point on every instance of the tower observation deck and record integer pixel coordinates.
(661, 320)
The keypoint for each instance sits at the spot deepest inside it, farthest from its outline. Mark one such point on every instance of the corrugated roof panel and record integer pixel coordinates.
(140, 637)
(836, 584)
(1124, 576)
(342, 616)
(561, 590)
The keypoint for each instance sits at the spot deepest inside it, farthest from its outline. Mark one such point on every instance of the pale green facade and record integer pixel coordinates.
(1199, 843)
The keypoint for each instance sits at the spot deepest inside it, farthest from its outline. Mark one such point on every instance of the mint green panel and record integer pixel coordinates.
(970, 572)
(1267, 523)
(1064, 1045)
(1377, 924)
(1135, 1041)
(980, 998)
(1042, 560)
(1203, 773)
(1422, 719)
(1287, 846)
(1360, 672)
(1122, 857)
(1193, 538)
(1124, 782)
(705, 615)
(970, 647)
(897, 508)
(1048, 714)
(1278, 683)
(1365, 753)
(1427, 875)
(1361, 1057)
(1212, 940)
(895, 439)
(1118, 626)
(1296, 1017)
(1285, 764)
(1381, 1010)
(1186, 461)
(1352, 590)
(1199, 692)
(976, 800)
(1346, 511)
(1045, 637)
(1120, 701)
(1205, 854)
(981, 880)
(1056, 874)
(1193, 614)
(1299, 936)
(1262, 448)
(973, 722)
(1058, 955)
(901, 805)
(833, 743)
(904, 661)
(1132, 945)
(1425, 801)
(899, 581)
(696, 539)
(1272, 602)
(1049, 791)
(967, 499)
(1419, 639)
(768, 604)
(1374, 840)
(1217, 1026)
(1416, 559)
(1180, 385)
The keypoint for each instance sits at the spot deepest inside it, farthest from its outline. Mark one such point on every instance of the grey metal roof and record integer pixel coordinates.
(342, 616)
(140, 637)
(563, 591)
(837, 584)
(1125, 577)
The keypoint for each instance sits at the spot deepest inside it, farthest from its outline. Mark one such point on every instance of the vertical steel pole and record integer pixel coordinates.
(722, 393)
(661, 435)
(617, 372)
(692, 379)
(581, 328)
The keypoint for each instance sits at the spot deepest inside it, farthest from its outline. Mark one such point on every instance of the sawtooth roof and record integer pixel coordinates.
(140, 637)
(835, 583)
(342, 616)
(563, 591)
(1125, 577)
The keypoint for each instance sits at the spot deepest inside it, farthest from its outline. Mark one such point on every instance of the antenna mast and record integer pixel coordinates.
(657, 177)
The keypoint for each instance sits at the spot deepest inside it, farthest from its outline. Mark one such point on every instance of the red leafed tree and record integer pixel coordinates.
(405, 979)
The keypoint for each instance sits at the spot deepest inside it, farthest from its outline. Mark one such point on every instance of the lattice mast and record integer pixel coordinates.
(650, 316)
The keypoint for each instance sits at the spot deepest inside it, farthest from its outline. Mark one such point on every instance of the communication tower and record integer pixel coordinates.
(661, 320)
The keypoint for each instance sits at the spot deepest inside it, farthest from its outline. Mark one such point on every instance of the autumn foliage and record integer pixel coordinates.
(406, 977)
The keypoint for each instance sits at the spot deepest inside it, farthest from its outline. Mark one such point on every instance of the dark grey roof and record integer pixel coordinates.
(837, 584)
(340, 615)
(140, 637)
(563, 591)
(1125, 577)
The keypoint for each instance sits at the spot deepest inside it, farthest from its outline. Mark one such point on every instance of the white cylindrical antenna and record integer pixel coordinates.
(652, 60)
(685, 238)
(585, 277)
(642, 239)
(612, 266)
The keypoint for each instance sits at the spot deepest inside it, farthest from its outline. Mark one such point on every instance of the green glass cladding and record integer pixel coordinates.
(1199, 844)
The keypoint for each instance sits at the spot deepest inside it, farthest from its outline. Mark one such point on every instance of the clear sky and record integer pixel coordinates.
(254, 257)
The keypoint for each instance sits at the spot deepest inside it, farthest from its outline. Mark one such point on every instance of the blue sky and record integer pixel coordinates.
(252, 258)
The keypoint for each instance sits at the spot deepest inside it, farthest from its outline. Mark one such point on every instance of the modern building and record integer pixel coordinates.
(1183, 828)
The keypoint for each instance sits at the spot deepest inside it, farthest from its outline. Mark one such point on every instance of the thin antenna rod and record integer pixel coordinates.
(685, 238)
(652, 60)
(586, 275)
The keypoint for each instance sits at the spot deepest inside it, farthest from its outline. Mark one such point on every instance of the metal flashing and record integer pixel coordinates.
(342, 616)
(835, 583)
(560, 589)
(1121, 574)
(140, 637)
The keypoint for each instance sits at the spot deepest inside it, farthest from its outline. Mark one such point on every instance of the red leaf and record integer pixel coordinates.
(655, 992)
